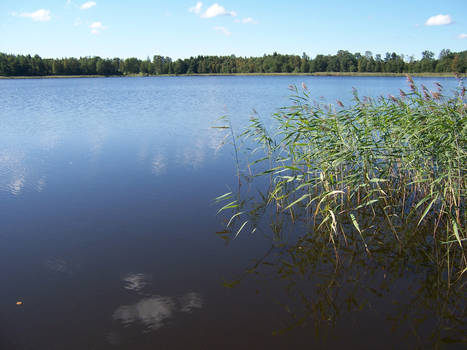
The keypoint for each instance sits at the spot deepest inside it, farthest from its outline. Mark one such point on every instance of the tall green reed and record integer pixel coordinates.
(391, 168)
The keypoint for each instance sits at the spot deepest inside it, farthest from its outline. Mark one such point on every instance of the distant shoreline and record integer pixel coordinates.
(319, 74)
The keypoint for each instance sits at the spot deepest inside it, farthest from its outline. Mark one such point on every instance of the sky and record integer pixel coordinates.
(184, 28)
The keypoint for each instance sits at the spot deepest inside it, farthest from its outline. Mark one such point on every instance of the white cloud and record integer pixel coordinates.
(96, 27)
(212, 11)
(197, 8)
(249, 20)
(462, 36)
(217, 10)
(87, 5)
(223, 30)
(438, 20)
(40, 15)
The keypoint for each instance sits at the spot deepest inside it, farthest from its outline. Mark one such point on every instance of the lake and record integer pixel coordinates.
(108, 230)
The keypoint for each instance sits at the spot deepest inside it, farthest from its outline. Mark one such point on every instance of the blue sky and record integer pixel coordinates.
(180, 29)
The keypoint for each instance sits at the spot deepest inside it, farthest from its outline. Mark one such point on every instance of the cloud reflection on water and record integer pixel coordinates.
(136, 281)
(12, 171)
(56, 265)
(16, 185)
(159, 164)
(41, 184)
(151, 312)
(190, 301)
(156, 311)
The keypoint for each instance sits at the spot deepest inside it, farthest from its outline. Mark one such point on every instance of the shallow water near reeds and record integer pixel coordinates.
(110, 239)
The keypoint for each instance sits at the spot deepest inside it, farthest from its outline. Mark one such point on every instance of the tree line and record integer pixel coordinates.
(343, 61)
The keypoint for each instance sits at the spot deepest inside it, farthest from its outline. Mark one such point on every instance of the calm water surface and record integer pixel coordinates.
(108, 226)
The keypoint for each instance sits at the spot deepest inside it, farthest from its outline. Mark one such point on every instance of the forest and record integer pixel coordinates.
(343, 61)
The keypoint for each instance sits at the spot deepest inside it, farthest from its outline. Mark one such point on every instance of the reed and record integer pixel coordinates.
(386, 169)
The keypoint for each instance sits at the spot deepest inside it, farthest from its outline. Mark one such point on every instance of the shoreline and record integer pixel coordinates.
(318, 74)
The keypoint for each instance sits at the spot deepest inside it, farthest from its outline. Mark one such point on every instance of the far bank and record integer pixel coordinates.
(321, 74)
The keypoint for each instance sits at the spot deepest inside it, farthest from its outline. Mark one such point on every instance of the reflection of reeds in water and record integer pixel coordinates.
(406, 291)
(387, 169)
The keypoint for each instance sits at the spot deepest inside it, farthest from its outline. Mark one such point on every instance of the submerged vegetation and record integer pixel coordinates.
(391, 169)
(342, 62)
(361, 202)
